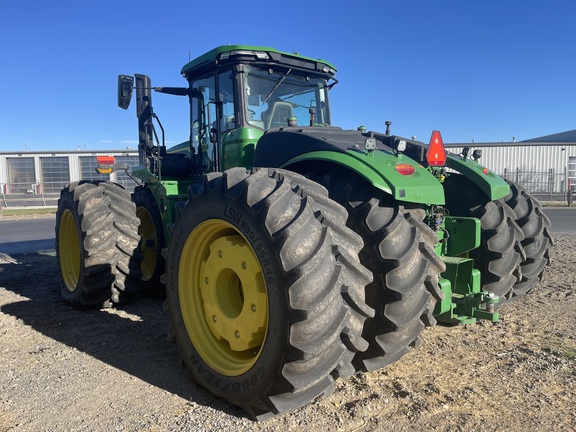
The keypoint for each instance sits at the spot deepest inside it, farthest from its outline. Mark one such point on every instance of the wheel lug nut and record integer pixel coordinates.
(214, 318)
(237, 334)
(206, 280)
(253, 307)
(220, 254)
(244, 265)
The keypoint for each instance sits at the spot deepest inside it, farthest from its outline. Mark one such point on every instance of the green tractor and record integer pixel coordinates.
(293, 252)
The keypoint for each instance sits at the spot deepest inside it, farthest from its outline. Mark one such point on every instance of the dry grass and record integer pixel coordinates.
(8, 212)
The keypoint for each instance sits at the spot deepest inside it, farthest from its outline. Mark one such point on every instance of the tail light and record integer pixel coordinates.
(436, 155)
(105, 160)
(405, 169)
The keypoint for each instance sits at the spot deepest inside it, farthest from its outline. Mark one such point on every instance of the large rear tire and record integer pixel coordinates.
(96, 243)
(399, 250)
(499, 254)
(151, 230)
(266, 308)
(537, 240)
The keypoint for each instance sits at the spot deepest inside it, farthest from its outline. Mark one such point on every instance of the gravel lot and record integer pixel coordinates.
(114, 370)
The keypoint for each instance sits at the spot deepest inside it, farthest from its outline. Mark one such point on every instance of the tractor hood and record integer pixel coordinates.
(370, 155)
(283, 144)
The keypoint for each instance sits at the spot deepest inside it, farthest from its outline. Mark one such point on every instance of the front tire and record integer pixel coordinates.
(96, 243)
(256, 293)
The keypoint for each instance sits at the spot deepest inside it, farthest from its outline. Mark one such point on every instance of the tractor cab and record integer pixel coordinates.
(239, 92)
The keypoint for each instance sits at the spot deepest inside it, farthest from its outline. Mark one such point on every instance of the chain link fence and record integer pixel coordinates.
(547, 185)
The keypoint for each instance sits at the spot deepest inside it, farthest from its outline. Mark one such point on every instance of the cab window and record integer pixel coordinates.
(273, 96)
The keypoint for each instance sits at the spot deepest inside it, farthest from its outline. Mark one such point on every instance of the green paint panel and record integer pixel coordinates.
(166, 194)
(494, 186)
(238, 147)
(142, 173)
(377, 167)
(444, 308)
(463, 234)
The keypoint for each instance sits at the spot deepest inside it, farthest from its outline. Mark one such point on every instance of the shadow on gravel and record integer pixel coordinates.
(134, 339)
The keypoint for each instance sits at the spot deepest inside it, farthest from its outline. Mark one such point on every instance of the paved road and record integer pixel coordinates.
(35, 235)
(563, 219)
(19, 236)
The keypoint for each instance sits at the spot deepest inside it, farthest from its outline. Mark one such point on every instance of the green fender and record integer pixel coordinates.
(167, 193)
(494, 186)
(377, 167)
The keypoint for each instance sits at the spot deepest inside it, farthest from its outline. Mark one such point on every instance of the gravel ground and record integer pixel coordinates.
(115, 370)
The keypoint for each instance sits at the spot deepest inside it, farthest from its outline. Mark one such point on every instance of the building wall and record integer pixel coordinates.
(51, 172)
(528, 163)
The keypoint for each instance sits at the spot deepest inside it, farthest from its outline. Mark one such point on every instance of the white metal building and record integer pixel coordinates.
(25, 175)
(544, 165)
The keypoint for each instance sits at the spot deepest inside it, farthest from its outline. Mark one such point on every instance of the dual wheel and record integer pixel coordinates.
(515, 241)
(97, 244)
(269, 291)
(399, 251)
(268, 287)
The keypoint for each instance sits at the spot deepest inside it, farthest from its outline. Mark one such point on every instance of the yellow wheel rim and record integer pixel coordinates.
(223, 297)
(69, 250)
(149, 244)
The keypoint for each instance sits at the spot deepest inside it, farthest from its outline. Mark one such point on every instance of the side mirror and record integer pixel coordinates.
(125, 86)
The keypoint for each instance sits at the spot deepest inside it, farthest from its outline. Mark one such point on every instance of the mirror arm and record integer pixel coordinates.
(177, 91)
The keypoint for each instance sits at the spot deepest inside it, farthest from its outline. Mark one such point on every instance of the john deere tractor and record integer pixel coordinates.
(293, 252)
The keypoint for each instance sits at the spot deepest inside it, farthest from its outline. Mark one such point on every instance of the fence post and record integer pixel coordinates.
(550, 181)
(3, 190)
(569, 197)
(41, 191)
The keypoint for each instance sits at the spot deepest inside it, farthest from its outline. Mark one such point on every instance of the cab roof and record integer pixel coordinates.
(255, 54)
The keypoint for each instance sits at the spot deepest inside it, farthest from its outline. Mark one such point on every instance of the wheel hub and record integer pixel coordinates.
(223, 297)
(234, 298)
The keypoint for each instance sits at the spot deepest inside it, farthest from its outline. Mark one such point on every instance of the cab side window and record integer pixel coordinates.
(226, 93)
(203, 115)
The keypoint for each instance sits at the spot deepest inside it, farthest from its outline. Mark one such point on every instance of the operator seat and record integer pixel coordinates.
(277, 115)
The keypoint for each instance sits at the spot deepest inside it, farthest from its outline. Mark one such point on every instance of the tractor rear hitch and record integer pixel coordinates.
(464, 302)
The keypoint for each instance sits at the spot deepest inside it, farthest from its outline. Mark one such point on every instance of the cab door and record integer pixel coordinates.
(203, 110)
(213, 115)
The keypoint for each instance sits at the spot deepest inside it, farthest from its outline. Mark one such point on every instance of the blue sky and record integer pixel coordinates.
(485, 70)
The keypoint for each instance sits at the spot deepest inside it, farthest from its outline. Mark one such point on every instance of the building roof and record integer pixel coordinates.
(562, 137)
(567, 138)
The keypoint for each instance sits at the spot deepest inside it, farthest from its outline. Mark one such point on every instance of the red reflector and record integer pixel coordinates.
(485, 171)
(405, 169)
(436, 155)
(105, 160)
